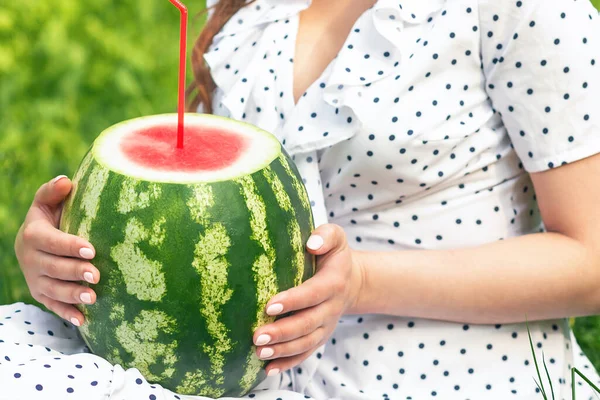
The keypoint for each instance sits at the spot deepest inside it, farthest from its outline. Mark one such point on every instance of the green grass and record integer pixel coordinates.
(544, 392)
(69, 69)
(587, 331)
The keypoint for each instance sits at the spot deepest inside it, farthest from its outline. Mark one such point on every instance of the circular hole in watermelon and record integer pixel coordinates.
(215, 149)
(205, 149)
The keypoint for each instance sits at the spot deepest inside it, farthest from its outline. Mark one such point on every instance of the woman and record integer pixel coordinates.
(434, 137)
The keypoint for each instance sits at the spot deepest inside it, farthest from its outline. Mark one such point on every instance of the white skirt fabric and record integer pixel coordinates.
(43, 357)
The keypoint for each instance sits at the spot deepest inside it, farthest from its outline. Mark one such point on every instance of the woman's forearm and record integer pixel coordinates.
(538, 276)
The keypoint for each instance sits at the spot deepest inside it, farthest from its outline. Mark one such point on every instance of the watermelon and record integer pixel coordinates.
(191, 244)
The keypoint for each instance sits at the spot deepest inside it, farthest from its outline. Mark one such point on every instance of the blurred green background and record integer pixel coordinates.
(69, 69)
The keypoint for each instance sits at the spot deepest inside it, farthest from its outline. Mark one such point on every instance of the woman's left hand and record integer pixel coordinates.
(317, 304)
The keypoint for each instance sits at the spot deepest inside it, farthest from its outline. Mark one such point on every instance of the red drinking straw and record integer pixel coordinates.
(182, 60)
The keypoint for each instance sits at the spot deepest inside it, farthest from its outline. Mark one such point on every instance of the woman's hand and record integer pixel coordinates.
(53, 261)
(317, 304)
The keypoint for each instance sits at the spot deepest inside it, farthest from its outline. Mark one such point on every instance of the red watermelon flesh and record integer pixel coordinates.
(205, 149)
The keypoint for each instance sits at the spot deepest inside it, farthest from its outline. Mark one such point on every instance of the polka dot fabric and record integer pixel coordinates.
(43, 357)
(419, 135)
(543, 78)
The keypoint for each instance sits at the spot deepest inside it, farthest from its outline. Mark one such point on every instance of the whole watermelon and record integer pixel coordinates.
(191, 244)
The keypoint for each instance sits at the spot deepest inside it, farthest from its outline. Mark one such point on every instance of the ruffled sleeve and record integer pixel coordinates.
(541, 61)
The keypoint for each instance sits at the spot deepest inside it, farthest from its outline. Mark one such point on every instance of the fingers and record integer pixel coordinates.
(294, 347)
(285, 347)
(65, 292)
(326, 241)
(313, 292)
(283, 364)
(51, 259)
(43, 236)
(67, 269)
(328, 282)
(319, 302)
(65, 311)
(54, 192)
(291, 327)
(327, 238)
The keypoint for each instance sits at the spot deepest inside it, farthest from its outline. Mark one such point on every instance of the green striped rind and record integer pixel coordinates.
(262, 267)
(284, 167)
(187, 269)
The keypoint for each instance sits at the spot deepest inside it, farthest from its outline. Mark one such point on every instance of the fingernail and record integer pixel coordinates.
(89, 277)
(85, 297)
(263, 339)
(273, 372)
(275, 309)
(75, 321)
(315, 242)
(58, 178)
(86, 253)
(266, 352)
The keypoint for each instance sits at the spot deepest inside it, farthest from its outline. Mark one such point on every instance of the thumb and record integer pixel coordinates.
(54, 192)
(327, 238)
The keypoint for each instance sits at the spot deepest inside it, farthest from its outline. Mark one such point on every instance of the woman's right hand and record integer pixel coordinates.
(54, 262)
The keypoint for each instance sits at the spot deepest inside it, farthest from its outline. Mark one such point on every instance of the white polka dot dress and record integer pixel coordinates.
(419, 135)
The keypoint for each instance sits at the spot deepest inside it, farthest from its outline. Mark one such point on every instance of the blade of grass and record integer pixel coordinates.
(540, 389)
(537, 368)
(576, 371)
(573, 383)
(548, 375)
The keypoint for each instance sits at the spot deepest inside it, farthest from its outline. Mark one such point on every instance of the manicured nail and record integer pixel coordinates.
(273, 372)
(75, 321)
(315, 242)
(275, 309)
(86, 253)
(266, 352)
(89, 277)
(85, 298)
(263, 339)
(58, 178)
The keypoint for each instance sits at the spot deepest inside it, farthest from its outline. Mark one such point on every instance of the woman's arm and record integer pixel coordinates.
(541, 276)
(538, 276)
